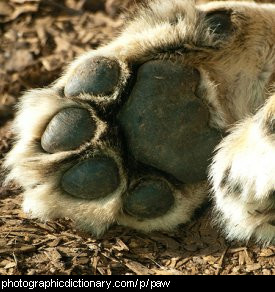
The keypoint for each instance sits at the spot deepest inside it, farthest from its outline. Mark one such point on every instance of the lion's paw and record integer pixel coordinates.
(114, 144)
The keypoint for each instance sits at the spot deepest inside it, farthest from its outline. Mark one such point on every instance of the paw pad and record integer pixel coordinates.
(91, 179)
(149, 199)
(98, 76)
(165, 124)
(67, 130)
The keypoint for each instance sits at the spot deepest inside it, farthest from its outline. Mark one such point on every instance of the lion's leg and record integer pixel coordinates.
(243, 176)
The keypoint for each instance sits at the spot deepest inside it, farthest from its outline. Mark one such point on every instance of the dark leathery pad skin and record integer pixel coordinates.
(67, 130)
(98, 76)
(149, 199)
(166, 124)
(91, 179)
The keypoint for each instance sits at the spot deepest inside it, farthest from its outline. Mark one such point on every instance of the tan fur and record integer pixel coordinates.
(237, 75)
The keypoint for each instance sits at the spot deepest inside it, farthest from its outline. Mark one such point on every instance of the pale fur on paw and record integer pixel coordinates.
(243, 178)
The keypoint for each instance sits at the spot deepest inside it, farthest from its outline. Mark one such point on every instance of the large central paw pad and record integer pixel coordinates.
(128, 162)
(166, 124)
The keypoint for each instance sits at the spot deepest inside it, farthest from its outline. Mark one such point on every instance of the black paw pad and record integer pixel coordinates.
(91, 179)
(98, 76)
(166, 124)
(67, 130)
(149, 199)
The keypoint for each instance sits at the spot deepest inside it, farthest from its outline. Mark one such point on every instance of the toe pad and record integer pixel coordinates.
(98, 76)
(91, 179)
(67, 130)
(149, 199)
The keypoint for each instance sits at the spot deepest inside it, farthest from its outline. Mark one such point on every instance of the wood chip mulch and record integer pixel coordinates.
(38, 38)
